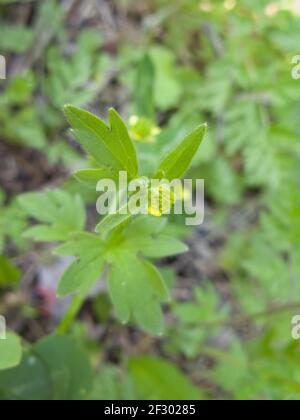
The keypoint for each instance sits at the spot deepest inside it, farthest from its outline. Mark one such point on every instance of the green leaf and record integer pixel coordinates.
(15, 38)
(60, 213)
(134, 292)
(161, 246)
(55, 369)
(168, 88)
(146, 225)
(68, 367)
(9, 274)
(111, 147)
(83, 273)
(28, 381)
(80, 275)
(20, 89)
(75, 77)
(111, 384)
(42, 233)
(164, 246)
(144, 90)
(232, 368)
(81, 244)
(197, 321)
(12, 224)
(112, 221)
(10, 351)
(144, 235)
(26, 128)
(157, 281)
(157, 379)
(177, 162)
(90, 177)
(136, 287)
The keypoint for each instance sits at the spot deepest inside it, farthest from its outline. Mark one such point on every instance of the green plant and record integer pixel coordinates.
(196, 322)
(12, 224)
(25, 127)
(10, 351)
(77, 78)
(123, 248)
(167, 67)
(56, 368)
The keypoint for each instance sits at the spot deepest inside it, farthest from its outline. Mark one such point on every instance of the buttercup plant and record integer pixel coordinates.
(123, 246)
(231, 319)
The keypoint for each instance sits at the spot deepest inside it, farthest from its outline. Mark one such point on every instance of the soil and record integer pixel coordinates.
(23, 169)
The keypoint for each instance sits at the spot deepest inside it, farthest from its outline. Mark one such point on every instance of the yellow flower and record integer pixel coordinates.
(154, 212)
(143, 129)
(161, 200)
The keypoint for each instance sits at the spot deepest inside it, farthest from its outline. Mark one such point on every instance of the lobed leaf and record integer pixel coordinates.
(177, 162)
(59, 212)
(111, 147)
(134, 292)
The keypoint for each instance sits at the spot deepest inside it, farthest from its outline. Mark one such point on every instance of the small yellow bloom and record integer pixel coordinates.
(143, 129)
(154, 212)
(133, 120)
(161, 200)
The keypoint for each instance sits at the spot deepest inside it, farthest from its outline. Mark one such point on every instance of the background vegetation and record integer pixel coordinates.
(166, 67)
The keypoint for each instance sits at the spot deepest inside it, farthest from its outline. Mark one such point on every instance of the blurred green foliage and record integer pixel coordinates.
(223, 61)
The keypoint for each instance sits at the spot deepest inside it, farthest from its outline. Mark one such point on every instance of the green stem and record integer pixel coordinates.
(71, 314)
